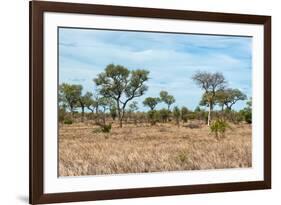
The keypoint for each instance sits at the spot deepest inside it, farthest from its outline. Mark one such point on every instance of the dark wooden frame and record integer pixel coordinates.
(37, 8)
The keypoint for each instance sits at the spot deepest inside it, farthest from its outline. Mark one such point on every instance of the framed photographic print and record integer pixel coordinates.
(138, 102)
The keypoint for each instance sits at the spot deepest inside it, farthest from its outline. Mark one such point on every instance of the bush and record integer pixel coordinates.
(152, 116)
(106, 128)
(248, 117)
(218, 127)
(184, 114)
(177, 115)
(164, 114)
(62, 114)
(68, 121)
(182, 157)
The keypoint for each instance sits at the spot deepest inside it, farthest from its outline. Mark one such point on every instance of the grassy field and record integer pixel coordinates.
(145, 148)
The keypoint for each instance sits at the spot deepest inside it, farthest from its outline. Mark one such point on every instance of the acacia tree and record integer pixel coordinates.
(166, 98)
(229, 97)
(69, 95)
(151, 102)
(210, 83)
(85, 101)
(122, 85)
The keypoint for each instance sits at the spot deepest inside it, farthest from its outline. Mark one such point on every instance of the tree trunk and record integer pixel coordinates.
(209, 114)
(71, 110)
(119, 114)
(92, 114)
(82, 119)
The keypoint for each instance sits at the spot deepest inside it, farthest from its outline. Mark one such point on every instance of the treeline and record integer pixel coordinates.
(117, 87)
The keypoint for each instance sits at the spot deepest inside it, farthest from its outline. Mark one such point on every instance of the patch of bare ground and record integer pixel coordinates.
(144, 148)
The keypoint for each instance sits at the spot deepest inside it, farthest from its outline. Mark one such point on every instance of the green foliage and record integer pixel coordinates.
(197, 109)
(184, 114)
(122, 85)
(133, 107)
(151, 102)
(247, 112)
(106, 128)
(207, 99)
(103, 128)
(113, 112)
(166, 98)
(177, 115)
(228, 97)
(248, 116)
(67, 121)
(218, 127)
(70, 95)
(105, 103)
(86, 100)
(164, 114)
(210, 83)
(152, 114)
(182, 157)
(62, 114)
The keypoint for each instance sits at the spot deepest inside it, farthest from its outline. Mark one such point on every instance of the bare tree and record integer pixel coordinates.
(210, 83)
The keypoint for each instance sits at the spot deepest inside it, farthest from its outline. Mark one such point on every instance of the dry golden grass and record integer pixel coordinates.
(137, 149)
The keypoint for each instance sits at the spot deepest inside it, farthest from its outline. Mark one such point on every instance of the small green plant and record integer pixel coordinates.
(96, 130)
(218, 127)
(182, 157)
(67, 121)
(106, 128)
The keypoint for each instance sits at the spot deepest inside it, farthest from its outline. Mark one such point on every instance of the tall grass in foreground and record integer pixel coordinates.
(138, 149)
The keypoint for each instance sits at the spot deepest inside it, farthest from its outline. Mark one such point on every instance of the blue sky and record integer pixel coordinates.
(172, 59)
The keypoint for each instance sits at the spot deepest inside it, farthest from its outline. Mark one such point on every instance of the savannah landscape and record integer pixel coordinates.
(106, 132)
(143, 102)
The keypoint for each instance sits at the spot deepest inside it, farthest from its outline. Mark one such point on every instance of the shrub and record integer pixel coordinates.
(62, 114)
(177, 115)
(184, 114)
(218, 127)
(248, 117)
(182, 156)
(247, 112)
(68, 121)
(106, 128)
(152, 116)
(164, 114)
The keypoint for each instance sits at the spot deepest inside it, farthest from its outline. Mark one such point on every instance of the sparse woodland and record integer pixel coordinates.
(104, 131)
